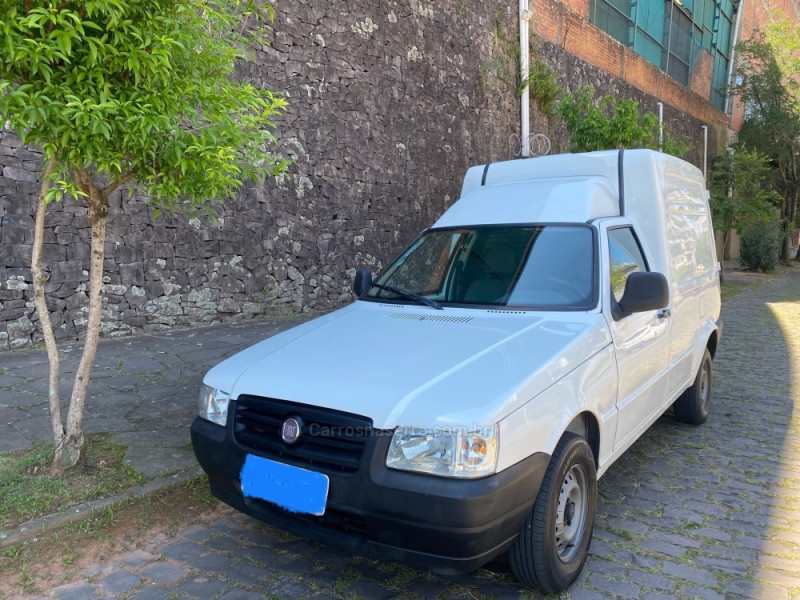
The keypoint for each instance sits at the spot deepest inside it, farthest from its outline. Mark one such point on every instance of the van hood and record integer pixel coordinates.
(403, 365)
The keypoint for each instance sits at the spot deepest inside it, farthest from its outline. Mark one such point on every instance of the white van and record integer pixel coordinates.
(468, 401)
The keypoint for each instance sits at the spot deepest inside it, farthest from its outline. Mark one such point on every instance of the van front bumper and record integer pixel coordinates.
(450, 526)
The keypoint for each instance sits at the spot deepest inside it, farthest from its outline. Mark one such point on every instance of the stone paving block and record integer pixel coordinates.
(601, 548)
(230, 525)
(242, 595)
(223, 543)
(651, 580)
(676, 539)
(198, 533)
(201, 587)
(152, 592)
(758, 589)
(368, 589)
(262, 554)
(728, 566)
(137, 558)
(216, 563)
(181, 550)
(702, 593)
(118, 582)
(714, 534)
(619, 589)
(248, 574)
(429, 589)
(501, 591)
(664, 548)
(79, 590)
(657, 596)
(163, 572)
(96, 570)
(582, 593)
(287, 587)
(628, 525)
(689, 573)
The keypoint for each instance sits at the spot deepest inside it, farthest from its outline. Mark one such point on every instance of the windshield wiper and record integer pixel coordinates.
(408, 295)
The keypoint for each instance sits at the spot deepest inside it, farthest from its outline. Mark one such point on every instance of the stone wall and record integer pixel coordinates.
(385, 116)
(573, 73)
(389, 104)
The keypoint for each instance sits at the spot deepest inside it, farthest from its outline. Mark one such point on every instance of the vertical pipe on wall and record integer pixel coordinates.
(660, 125)
(524, 66)
(732, 60)
(705, 151)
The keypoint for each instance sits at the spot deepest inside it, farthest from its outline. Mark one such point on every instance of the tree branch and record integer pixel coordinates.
(115, 184)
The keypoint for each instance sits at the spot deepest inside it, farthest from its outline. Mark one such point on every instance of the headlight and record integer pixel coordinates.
(213, 404)
(449, 453)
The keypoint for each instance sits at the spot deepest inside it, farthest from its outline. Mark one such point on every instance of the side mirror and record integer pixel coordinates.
(643, 292)
(362, 282)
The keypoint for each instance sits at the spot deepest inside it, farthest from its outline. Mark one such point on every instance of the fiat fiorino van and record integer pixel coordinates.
(469, 399)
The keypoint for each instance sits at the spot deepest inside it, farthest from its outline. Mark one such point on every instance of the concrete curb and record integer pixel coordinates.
(37, 527)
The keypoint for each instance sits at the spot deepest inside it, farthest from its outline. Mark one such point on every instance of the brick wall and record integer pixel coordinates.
(566, 24)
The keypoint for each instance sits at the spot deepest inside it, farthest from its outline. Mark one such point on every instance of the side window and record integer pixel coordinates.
(625, 258)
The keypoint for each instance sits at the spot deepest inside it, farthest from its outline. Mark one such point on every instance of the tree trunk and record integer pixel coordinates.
(726, 245)
(40, 278)
(71, 451)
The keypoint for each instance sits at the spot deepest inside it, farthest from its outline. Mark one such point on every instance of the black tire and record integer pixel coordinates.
(550, 551)
(693, 405)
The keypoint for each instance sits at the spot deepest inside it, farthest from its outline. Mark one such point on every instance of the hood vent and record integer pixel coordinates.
(507, 312)
(418, 317)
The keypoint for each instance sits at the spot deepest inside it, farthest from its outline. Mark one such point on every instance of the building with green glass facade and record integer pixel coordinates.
(673, 34)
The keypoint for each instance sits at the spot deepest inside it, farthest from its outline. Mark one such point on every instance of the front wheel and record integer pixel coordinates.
(694, 404)
(551, 549)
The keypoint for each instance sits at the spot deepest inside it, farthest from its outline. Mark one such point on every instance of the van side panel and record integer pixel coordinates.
(539, 424)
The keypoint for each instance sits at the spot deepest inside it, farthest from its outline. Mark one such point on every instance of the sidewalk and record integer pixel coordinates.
(143, 391)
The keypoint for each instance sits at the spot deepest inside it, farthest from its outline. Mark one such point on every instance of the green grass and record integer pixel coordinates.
(29, 491)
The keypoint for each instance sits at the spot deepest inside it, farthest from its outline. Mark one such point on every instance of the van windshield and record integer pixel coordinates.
(547, 267)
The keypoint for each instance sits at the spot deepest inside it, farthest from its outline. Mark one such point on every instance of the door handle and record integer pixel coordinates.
(664, 313)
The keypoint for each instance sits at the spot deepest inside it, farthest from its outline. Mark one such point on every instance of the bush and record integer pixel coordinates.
(761, 245)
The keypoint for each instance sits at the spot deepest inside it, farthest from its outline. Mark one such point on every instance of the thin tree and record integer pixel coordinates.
(118, 92)
(770, 88)
(741, 192)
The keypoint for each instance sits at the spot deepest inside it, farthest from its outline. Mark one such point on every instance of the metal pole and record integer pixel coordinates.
(705, 151)
(524, 67)
(732, 60)
(660, 125)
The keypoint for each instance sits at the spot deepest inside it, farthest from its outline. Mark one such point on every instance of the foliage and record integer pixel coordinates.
(741, 192)
(544, 89)
(118, 91)
(761, 241)
(610, 123)
(769, 72)
(142, 89)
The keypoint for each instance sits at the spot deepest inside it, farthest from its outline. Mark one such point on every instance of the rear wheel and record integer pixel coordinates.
(694, 404)
(551, 549)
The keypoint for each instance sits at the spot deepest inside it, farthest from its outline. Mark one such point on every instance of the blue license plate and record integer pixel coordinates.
(292, 488)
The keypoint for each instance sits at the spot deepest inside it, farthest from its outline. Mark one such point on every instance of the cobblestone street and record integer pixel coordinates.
(708, 512)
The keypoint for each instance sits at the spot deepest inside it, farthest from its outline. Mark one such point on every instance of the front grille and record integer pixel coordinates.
(329, 439)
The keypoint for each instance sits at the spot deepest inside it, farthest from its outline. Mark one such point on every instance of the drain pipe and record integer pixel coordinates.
(660, 125)
(705, 151)
(524, 68)
(732, 61)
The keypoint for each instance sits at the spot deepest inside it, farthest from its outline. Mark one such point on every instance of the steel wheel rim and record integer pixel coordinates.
(571, 513)
(705, 387)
